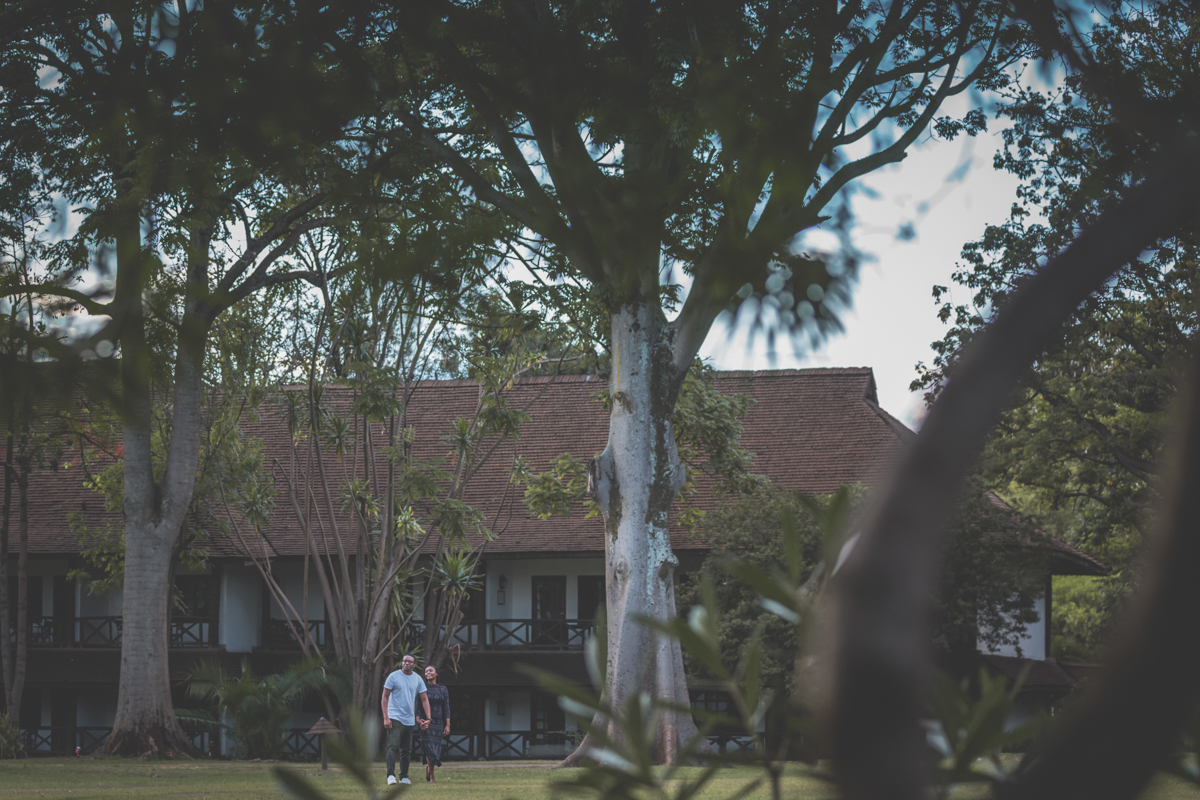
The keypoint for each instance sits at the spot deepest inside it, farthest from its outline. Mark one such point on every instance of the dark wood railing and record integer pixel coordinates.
(63, 741)
(106, 632)
(298, 743)
(99, 631)
(508, 634)
(279, 636)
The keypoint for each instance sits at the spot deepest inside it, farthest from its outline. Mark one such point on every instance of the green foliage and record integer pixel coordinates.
(708, 429)
(258, 709)
(12, 743)
(230, 471)
(661, 137)
(707, 425)
(749, 533)
(354, 752)
(993, 572)
(994, 569)
(1081, 618)
(969, 729)
(1076, 447)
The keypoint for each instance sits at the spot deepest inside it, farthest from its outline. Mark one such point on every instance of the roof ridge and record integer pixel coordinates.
(902, 431)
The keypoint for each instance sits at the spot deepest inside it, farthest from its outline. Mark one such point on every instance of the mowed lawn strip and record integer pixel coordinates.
(117, 779)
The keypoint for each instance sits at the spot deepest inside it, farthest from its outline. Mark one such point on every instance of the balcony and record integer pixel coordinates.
(106, 632)
(513, 634)
(278, 634)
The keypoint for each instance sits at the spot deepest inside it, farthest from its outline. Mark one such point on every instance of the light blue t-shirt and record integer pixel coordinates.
(405, 689)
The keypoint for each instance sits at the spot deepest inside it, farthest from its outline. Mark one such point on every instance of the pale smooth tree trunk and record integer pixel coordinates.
(145, 723)
(636, 480)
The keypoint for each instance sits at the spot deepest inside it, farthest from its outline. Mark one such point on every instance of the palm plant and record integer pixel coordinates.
(256, 710)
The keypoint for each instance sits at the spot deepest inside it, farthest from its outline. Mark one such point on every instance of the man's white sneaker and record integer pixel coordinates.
(391, 780)
(405, 780)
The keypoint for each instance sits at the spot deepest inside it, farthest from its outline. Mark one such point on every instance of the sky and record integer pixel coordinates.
(948, 192)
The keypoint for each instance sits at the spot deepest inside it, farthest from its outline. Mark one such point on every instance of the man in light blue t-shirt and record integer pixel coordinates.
(400, 691)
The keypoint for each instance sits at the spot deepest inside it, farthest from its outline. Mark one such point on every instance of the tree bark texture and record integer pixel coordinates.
(145, 723)
(14, 653)
(637, 478)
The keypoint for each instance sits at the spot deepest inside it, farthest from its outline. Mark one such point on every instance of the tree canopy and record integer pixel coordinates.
(1079, 441)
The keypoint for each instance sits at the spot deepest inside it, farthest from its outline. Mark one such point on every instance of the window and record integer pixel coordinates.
(192, 595)
(716, 702)
(547, 719)
(591, 596)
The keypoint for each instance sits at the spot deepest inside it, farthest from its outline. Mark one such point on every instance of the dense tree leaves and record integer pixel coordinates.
(194, 143)
(994, 571)
(645, 144)
(1078, 444)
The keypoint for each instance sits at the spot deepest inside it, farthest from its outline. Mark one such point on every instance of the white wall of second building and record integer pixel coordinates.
(241, 608)
(516, 711)
(89, 604)
(291, 580)
(519, 574)
(1032, 643)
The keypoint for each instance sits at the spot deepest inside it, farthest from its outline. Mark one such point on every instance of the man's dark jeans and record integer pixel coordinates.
(399, 736)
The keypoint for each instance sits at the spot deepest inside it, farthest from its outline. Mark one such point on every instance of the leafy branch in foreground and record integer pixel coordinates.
(353, 753)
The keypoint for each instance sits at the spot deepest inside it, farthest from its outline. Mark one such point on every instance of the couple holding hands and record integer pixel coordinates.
(402, 717)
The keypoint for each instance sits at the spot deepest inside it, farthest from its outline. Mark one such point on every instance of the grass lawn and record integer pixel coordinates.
(116, 779)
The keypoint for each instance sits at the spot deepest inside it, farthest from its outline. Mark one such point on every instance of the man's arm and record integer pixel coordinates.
(387, 694)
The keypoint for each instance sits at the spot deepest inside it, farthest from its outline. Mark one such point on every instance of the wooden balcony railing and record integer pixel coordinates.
(106, 632)
(279, 636)
(509, 634)
(63, 741)
(298, 743)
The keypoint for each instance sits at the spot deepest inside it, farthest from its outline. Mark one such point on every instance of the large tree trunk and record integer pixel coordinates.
(145, 724)
(14, 654)
(636, 480)
(154, 511)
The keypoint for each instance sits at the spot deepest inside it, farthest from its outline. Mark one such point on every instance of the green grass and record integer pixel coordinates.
(117, 779)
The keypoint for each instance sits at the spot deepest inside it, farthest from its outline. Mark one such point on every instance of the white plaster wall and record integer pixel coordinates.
(97, 707)
(241, 608)
(291, 580)
(516, 711)
(1033, 643)
(519, 574)
(98, 605)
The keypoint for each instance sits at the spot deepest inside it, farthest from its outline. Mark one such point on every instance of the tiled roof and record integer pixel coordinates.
(1065, 559)
(809, 429)
(1043, 674)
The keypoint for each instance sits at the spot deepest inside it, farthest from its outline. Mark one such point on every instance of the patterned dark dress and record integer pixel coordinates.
(439, 710)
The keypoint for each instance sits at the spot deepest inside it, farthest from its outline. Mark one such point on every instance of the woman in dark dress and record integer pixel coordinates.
(433, 736)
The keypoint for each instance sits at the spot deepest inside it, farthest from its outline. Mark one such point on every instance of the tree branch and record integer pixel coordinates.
(880, 648)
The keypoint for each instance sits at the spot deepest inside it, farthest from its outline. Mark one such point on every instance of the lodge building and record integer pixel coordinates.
(541, 580)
